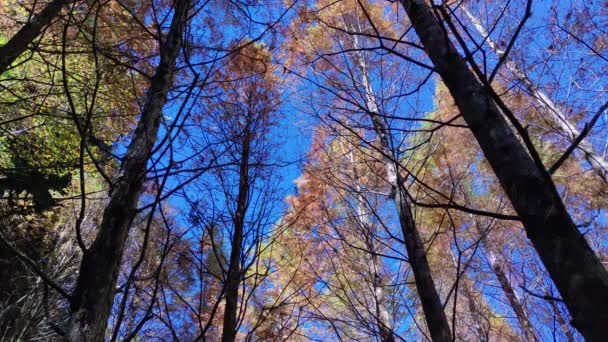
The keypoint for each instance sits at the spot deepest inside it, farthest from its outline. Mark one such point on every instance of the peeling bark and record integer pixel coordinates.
(514, 302)
(382, 317)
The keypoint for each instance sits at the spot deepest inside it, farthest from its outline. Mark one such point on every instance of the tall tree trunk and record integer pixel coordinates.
(482, 331)
(382, 317)
(434, 314)
(233, 279)
(577, 272)
(496, 261)
(549, 109)
(431, 303)
(562, 323)
(21, 41)
(94, 292)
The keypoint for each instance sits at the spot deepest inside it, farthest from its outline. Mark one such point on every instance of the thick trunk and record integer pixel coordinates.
(577, 272)
(233, 279)
(22, 40)
(547, 107)
(94, 292)
(431, 303)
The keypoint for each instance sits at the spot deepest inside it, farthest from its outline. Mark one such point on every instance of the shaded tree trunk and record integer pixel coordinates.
(483, 333)
(95, 287)
(233, 279)
(21, 41)
(577, 272)
(549, 109)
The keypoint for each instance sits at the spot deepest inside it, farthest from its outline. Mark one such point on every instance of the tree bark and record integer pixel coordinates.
(549, 109)
(432, 307)
(20, 42)
(577, 272)
(94, 292)
(233, 279)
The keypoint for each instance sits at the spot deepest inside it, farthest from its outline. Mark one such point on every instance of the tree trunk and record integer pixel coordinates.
(21, 41)
(382, 317)
(514, 302)
(577, 272)
(548, 108)
(94, 292)
(233, 279)
(562, 322)
(431, 303)
(483, 333)
(496, 259)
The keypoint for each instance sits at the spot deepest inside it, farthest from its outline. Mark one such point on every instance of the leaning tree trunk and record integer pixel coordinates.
(549, 109)
(432, 307)
(233, 279)
(22, 40)
(94, 293)
(577, 272)
(431, 303)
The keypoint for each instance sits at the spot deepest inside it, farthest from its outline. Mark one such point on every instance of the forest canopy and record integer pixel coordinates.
(303, 170)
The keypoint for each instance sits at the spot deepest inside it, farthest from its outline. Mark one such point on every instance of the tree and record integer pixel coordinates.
(248, 109)
(146, 150)
(349, 30)
(575, 269)
(94, 292)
